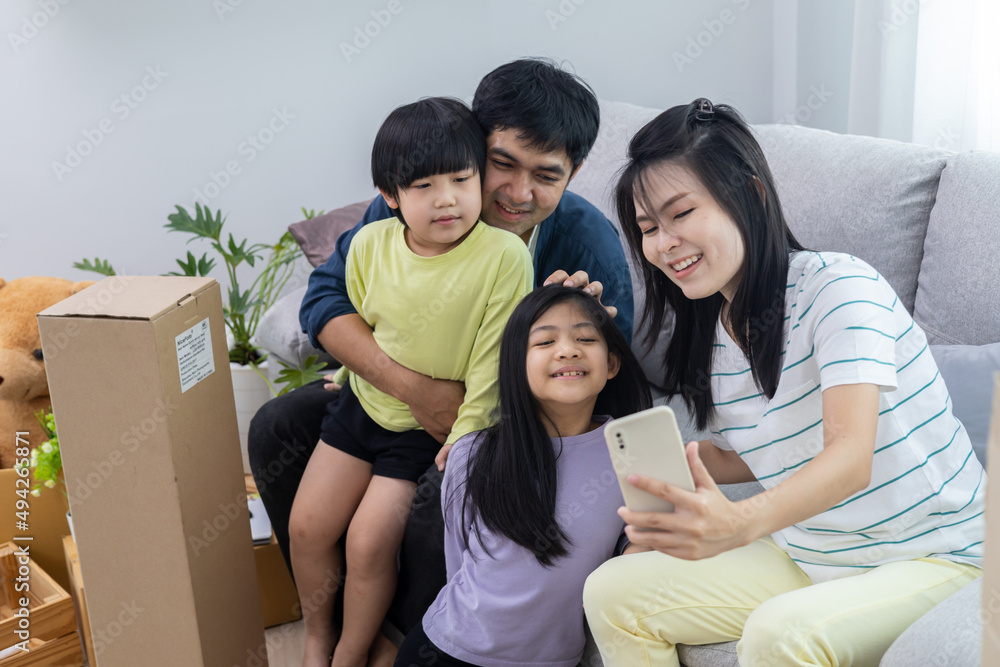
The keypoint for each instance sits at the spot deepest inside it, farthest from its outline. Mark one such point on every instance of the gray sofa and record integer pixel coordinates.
(928, 220)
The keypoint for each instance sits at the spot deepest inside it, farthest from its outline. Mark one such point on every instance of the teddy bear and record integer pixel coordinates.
(24, 389)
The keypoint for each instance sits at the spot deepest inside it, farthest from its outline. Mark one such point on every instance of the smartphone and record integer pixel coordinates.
(648, 443)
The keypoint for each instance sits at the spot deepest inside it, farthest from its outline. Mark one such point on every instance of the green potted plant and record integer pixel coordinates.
(243, 308)
(45, 460)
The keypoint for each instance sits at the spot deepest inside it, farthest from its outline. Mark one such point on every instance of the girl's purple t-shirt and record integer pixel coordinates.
(508, 609)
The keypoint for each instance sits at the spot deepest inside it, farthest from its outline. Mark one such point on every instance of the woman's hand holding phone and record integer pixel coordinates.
(704, 522)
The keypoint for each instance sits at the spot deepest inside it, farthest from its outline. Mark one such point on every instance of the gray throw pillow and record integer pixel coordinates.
(968, 373)
(318, 236)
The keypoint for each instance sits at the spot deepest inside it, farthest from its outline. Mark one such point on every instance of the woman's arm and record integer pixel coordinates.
(706, 523)
(725, 466)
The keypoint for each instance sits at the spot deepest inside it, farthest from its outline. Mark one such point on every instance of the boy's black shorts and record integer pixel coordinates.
(396, 454)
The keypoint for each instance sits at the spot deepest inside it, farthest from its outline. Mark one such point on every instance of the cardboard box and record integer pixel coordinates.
(139, 377)
(279, 601)
(991, 546)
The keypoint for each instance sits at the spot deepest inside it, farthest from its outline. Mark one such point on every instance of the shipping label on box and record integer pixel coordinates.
(139, 378)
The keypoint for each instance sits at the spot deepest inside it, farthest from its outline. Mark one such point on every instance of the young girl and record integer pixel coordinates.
(529, 504)
(822, 388)
(436, 287)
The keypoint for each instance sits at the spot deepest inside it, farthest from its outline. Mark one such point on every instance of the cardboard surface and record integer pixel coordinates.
(139, 378)
(79, 599)
(991, 557)
(115, 298)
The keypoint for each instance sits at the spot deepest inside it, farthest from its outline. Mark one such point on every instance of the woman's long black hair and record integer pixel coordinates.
(717, 146)
(511, 476)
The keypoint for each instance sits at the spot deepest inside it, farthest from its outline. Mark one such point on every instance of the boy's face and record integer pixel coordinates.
(440, 210)
(522, 185)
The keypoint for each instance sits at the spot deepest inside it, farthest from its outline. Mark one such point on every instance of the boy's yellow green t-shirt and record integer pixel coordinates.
(441, 316)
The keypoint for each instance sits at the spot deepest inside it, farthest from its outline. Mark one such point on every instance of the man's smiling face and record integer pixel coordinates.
(522, 185)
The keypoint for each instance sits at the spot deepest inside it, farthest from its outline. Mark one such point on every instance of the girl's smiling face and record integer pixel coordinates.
(568, 362)
(687, 235)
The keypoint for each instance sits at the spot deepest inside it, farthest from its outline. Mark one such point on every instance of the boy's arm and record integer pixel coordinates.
(434, 403)
(333, 324)
(514, 280)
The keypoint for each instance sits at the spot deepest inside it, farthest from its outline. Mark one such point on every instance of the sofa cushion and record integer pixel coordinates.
(968, 371)
(596, 179)
(709, 655)
(871, 198)
(958, 301)
(280, 334)
(318, 236)
(949, 634)
(595, 182)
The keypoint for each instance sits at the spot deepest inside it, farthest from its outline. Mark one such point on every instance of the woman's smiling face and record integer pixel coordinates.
(687, 235)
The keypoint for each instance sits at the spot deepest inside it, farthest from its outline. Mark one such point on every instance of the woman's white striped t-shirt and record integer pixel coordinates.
(844, 324)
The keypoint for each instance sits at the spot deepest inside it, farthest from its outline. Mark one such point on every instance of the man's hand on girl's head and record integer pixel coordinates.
(580, 279)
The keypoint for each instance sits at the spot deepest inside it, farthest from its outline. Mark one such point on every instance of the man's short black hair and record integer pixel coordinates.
(435, 135)
(547, 106)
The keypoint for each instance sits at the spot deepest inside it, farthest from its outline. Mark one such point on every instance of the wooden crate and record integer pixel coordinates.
(62, 652)
(54, 641)
(79, 599)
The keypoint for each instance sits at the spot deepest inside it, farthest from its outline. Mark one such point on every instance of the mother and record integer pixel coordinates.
(814, 380)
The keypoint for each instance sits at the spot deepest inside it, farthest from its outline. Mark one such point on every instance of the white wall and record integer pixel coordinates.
(223, 73)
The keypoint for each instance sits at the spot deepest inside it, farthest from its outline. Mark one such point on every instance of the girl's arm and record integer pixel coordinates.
(706, 523)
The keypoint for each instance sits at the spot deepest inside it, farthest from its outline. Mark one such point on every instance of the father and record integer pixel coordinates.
(540, 123)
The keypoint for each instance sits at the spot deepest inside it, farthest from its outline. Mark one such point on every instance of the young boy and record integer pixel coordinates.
(437, 291)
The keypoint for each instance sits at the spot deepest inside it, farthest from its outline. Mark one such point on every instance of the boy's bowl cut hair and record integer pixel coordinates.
(547, 106)
(434, 135)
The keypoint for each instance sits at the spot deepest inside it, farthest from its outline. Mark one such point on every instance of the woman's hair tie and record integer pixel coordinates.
(704, 111)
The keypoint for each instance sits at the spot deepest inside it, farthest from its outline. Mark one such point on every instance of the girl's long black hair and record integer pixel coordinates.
(717, 146)
(511, 476)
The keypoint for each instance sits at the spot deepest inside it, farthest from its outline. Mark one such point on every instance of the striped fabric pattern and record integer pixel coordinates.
(845, 325)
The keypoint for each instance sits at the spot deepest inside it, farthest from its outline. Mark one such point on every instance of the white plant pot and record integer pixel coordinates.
(251, 392)
(69, 520)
